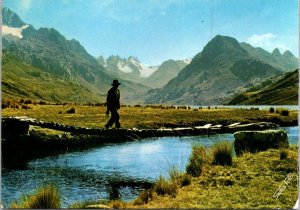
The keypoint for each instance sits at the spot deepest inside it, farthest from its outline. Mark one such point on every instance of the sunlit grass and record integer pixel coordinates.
(46, 197)
(198, 160)
(250, 182)
(144, 117)
(222, 153)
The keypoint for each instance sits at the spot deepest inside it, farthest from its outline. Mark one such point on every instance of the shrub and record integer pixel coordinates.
(163, 186)
(46, 197)
(25, 107)
(222, 153)
(272, 110)
(28, 101)
(197, 161)
(285, 112)
(44, 103)
(283, 154)
(71, 111)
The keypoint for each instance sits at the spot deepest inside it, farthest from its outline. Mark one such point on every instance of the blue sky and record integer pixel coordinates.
(157, 30)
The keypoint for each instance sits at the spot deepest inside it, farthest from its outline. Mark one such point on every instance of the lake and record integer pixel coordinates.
(96, 173)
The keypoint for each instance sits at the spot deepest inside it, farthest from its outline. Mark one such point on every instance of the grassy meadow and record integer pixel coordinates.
(252, 181)
(147, 116)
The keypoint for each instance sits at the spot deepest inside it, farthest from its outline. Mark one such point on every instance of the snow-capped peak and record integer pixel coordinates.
(7, 30)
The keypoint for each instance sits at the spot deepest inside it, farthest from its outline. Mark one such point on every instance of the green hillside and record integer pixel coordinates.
(280, 90)
(33, 83)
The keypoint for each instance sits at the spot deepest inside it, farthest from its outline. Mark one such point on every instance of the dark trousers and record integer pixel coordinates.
(115, 117)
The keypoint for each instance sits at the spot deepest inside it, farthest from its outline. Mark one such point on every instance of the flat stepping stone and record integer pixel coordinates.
(206, 126)
(165, 129)
(216, 126)
(182, 129)
(234, 124)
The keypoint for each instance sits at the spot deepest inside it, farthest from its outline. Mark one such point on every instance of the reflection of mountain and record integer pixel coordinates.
(223, 68)
(278, 90)
(53, 60)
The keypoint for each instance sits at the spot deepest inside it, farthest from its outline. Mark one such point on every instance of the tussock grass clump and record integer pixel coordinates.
(185, 180)
(118, 204)
(175, 174)
(145, 197)
(272, 110)
(283, 154)
(162, 186)
(197, 161)
(178, 177)
(222, 153)
(46, 197)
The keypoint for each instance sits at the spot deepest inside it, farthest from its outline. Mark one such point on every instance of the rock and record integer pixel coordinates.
(14, 127)
(97, 206)
(255, 141)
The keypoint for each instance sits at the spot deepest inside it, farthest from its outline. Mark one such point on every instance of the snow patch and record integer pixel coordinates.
(124, 68)
(7, 30)
(146, 71)
(187, 61)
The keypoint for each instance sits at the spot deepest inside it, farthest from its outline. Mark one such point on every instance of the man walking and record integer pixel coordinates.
(113, 104)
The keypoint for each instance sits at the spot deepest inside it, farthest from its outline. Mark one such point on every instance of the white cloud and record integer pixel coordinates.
(261, 39)
(269, 42)
(26, 4)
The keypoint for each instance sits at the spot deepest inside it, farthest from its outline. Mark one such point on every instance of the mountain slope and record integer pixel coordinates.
(11, 19)
(36, 84)
(213, 75)
(279, 90)
(165, 72)
(284, 62)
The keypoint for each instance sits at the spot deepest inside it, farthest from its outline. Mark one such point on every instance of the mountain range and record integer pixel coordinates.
(57, 60)
(42, 64)
(133, 70)
(224, 68)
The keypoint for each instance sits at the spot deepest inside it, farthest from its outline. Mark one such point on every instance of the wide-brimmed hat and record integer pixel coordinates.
(115, 82)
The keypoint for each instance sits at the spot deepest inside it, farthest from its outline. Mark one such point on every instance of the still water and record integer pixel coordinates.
(95, 173)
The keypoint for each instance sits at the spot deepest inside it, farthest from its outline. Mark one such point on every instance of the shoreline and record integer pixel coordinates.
(49, 129)
(34, 139)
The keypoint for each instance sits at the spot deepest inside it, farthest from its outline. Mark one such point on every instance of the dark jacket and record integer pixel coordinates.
(113, 99)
